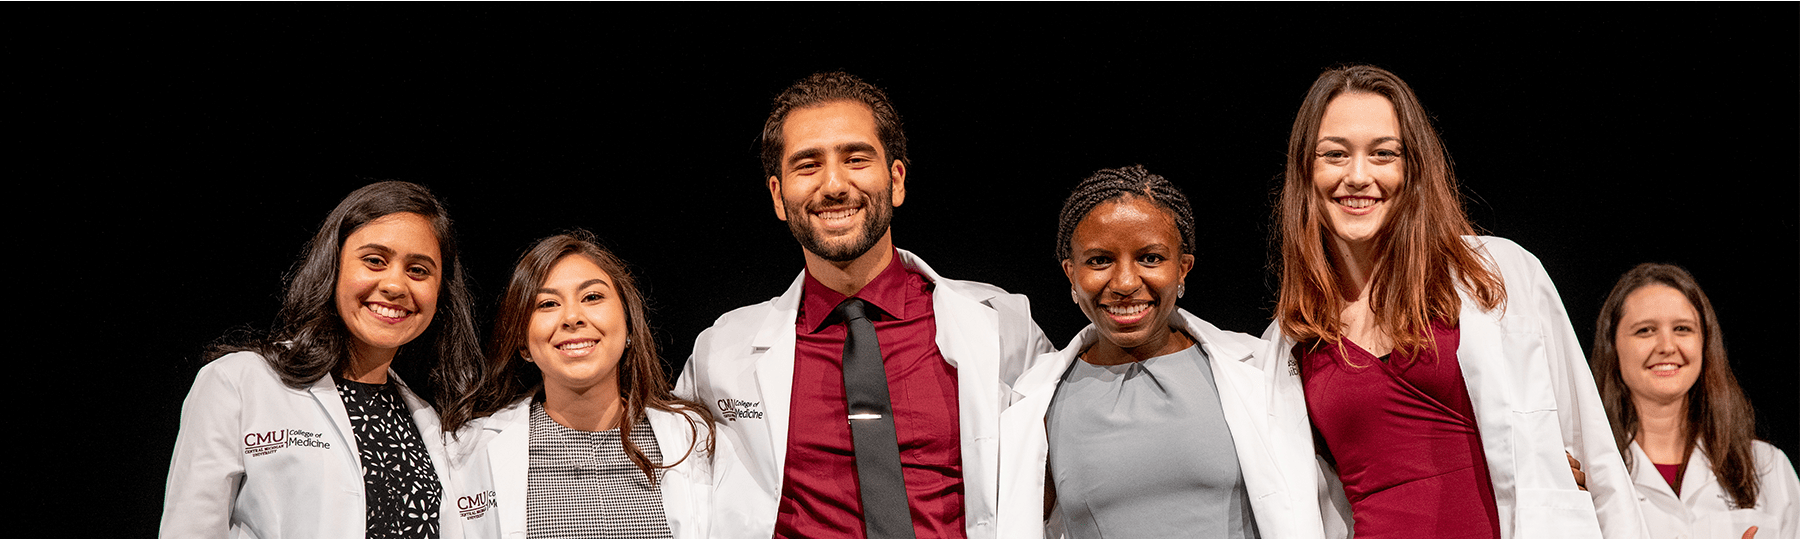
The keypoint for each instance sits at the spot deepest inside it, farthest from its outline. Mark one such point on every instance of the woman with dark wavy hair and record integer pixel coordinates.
(308, 431)
(579, 434)
(1679, 417)
(1437, 368)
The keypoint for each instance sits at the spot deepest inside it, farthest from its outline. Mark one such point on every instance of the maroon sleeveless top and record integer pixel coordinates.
(1403, 435)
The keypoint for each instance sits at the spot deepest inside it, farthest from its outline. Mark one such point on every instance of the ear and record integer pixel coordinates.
(1187, 264)
(1068, 265)
(897, 174)
(775, 196)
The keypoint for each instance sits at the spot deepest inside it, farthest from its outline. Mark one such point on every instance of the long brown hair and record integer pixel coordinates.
(1421, 255)
(1719, 417)
(642, 382)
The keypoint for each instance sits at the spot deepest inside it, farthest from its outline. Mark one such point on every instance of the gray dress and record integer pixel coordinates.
(1142, 450)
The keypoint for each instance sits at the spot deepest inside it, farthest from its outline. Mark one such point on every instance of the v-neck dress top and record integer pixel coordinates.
(1402, 432)
(581, 484)
(1142, 450)
(400, 485)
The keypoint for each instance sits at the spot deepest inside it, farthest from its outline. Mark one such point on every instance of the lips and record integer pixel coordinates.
(835, 217)
(1128, 312)
(577, 347)
(1665, 369)
(1358, 204)
(387, 313)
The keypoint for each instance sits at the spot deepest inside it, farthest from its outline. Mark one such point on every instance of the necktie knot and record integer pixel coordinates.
(851, 309)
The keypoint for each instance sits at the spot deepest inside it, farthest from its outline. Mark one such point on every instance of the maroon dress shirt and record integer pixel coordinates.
(819, 496)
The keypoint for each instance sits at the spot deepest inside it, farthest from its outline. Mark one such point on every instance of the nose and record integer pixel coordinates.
(1359, 174)
(836, 183)
(1125, 281)
(573, 318)
(391, 286)
(1665, 343)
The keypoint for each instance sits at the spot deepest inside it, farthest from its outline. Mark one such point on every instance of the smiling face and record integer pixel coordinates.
(1126, 268)
(1357, 167)
(578, 327)
(1659, 342)
(835, 190)
(387, 284)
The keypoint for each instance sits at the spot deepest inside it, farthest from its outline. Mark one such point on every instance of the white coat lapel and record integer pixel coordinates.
(510, 459)
(325, 391)
(1240, 388)
(431, 432)
(684, 485)
(773, 348)
(1487, 374)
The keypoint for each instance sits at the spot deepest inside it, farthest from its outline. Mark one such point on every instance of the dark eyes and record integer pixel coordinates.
(1150, 259)
(377, 263)
(1379, 156)
(588, 297)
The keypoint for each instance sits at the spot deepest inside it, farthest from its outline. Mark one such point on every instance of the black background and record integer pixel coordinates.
(168, 161)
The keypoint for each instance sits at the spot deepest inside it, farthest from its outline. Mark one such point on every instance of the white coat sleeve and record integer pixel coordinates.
(1586, 433)
(1780, 488)
(208, 465)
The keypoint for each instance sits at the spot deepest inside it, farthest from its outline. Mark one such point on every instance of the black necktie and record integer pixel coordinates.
(885, 512)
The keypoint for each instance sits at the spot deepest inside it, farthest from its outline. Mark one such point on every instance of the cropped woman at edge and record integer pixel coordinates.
(580, 435)
(1679, 417)
(1150, 420)
(1438, 368)
(308, 432)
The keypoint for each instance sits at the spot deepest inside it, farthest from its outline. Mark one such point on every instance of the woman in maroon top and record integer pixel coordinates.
(1394, 314)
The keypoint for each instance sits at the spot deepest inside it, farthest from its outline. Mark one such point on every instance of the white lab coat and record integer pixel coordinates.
(256, 458)
(744, 365)
(1280, 512)
(1534, 399)
(1703, 511)
(491, 459)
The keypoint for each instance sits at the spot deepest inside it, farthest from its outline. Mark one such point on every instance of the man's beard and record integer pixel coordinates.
(878, 210)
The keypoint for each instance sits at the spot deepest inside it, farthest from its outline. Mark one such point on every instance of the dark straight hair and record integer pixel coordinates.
(309, 339)
(1720, 421)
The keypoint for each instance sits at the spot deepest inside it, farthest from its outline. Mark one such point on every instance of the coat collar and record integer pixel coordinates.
(1216, 342)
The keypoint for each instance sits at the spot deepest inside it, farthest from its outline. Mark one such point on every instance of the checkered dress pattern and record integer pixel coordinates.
(400, 485)
(581, 484)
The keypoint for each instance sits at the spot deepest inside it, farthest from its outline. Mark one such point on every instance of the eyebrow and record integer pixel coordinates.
(414, 257)
(583, 286)
(847, 147)
(1346, 142)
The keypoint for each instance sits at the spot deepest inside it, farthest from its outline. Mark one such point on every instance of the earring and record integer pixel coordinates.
(628, 342)
(527, 357)
(1074, 296)
(1180, 290)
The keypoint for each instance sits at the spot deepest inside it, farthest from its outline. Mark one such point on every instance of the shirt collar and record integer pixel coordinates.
(887, 292)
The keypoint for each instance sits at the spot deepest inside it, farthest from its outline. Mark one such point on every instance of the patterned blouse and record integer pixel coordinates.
(399, 483)
(581, 484)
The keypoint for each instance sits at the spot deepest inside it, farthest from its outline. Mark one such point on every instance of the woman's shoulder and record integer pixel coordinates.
(1767, 456)
(242, 365)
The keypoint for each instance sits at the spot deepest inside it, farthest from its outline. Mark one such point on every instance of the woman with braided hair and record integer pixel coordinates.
(1433, 371)
(1149, 423)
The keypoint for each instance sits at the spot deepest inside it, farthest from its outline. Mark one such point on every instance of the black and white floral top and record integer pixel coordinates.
(400, 485)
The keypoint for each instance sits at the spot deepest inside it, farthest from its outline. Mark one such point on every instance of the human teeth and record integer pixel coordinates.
(577, 345)
(1358, 202)
(387, 311)
(1127, 310)
(836, 214)
(1664, 367)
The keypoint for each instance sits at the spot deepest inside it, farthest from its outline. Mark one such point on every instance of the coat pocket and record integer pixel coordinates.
(1553, 513)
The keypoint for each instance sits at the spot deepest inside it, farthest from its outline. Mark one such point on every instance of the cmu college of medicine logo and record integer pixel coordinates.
(734, 409)
(257, 444)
